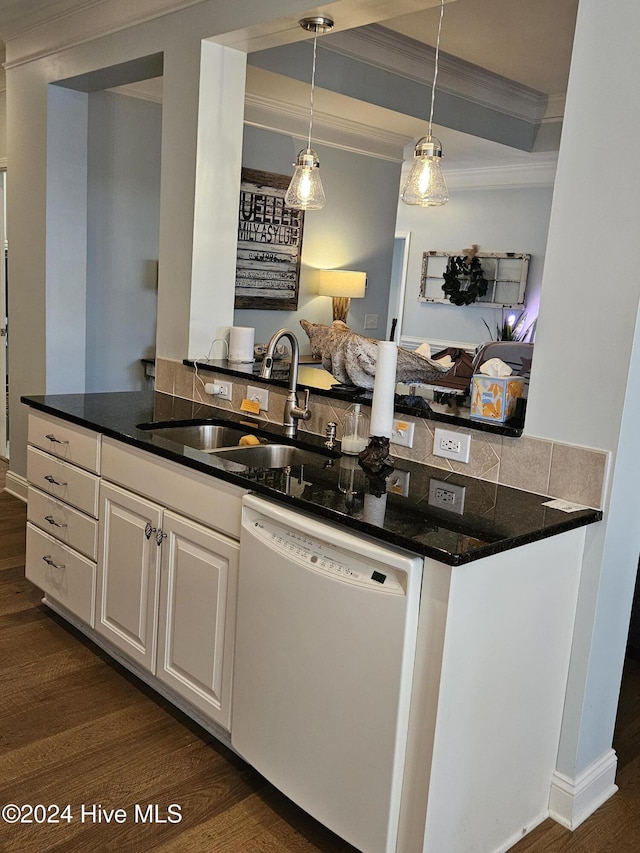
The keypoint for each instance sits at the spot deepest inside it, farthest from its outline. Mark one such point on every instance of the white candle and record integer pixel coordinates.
(382, 405)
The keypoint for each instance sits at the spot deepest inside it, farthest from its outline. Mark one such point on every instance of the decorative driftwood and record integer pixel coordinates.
(351, 358)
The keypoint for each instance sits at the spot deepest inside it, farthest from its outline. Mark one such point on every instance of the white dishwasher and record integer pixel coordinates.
(325, 648)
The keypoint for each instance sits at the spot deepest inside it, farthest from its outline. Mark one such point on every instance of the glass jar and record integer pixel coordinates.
(355, 435)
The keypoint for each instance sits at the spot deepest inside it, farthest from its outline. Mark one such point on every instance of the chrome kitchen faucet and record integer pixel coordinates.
(293, 412)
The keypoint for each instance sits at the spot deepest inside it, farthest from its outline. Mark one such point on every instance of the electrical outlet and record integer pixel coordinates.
(402, 433)
(258, 395)
(447, 496)
(398, 483)
(452, 445)
(224, 390)
(371, 321)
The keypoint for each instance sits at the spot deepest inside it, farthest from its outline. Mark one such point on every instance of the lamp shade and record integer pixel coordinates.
(347, 283)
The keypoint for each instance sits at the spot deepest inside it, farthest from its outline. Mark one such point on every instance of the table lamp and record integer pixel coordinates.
(343, 286)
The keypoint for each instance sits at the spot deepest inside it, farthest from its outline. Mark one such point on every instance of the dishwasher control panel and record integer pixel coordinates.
(326, 558)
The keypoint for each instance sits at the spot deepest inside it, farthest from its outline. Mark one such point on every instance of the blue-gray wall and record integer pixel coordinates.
(353, 231)
(122, 239)
(513, 219)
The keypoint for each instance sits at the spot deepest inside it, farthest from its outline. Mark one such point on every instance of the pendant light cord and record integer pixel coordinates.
(313, 84)
(435, 67)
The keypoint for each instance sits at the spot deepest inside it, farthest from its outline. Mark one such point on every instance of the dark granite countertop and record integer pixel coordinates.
(495, 518)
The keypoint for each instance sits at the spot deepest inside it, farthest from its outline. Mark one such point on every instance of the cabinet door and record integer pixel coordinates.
(197, 615)
(128, 566)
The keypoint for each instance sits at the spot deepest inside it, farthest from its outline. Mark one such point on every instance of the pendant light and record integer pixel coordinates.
(426, 185)
(305, 191)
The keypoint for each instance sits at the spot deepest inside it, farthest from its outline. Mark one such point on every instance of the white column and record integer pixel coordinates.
(217, 192)
(586, 359)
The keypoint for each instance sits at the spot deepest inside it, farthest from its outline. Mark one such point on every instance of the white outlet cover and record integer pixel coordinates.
(259, 395)
(398, 483)
(402, 434)
(446, 496)
(226, 390)
(441, 436)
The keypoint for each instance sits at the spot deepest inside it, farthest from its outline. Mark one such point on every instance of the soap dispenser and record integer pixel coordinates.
(355, 436)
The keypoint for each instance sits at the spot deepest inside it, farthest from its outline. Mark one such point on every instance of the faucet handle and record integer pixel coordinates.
(305, 406)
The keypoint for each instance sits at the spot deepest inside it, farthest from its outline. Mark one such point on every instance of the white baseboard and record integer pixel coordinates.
(573, 800)
(16, 485)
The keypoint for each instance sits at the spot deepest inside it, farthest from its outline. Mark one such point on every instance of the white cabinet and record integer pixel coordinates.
(73, 443)
(64, 481)
(144, 552)
(61, 573)
(128, 567)
(166, 588)
(196, 627)
(76, 529)
(62, 470)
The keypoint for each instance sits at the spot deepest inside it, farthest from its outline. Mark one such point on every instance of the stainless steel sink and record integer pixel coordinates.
(206, 437)
(271, 456)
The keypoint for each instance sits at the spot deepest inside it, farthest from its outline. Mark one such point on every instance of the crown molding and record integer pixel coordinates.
(285, 118)
(503, 177)
(382, 48)
(555, 108)
(335, 132)
(66, 24)
(136, 90)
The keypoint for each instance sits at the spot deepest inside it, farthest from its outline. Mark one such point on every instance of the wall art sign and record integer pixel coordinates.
(269, 244)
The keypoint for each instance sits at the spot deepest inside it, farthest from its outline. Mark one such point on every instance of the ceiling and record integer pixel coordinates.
(12, 10)
(524, 40)
(527, 41)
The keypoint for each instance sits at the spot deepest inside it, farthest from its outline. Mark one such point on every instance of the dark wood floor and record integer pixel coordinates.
(76, 728)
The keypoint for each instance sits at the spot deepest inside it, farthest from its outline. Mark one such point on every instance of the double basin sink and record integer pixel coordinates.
(223, 441)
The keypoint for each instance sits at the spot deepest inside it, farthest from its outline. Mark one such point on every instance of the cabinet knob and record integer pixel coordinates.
(149, 530)
(52, 520)
(159, 537)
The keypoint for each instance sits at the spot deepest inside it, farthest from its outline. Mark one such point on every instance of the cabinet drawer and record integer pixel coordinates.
(199, 496)
(63, 522)
(69, 442)
(61, 573)
(66, 482)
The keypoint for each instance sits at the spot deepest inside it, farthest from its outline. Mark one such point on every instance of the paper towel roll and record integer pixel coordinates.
(241, 340)
(384, 389)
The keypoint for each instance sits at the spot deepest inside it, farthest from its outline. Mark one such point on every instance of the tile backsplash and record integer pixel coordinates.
(528, 463)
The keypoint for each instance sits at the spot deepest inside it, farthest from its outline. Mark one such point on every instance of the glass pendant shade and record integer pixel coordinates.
(305, 191)
(425, 185)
